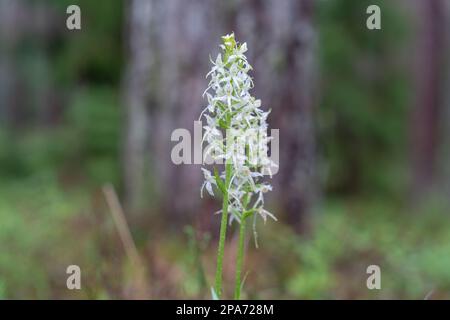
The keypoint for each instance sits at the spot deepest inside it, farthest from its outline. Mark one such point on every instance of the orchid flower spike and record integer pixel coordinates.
(234, 111)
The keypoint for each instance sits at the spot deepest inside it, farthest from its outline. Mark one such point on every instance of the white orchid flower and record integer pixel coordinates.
(232, 110)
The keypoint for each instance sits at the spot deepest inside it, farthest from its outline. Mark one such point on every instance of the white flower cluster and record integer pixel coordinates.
(232, 109)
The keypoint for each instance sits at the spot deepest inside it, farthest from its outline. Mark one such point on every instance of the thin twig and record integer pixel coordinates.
(429, 294)
(125, 236)
(121, 224)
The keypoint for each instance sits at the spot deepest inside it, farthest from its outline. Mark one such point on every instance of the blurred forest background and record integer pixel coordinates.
(364, 119)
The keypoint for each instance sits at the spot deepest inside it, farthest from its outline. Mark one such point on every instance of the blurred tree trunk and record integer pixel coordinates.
(136, 99)
(187, 30)
(10, 29)
(425, 118)
(445, 119)
(282, 42)
(295, 119)
(23, 96)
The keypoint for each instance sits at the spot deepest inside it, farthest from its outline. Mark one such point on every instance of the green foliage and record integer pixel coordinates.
(196, 284)
(22, 155)
(362, 114)
(95, 54)
(89, 141)
(410, 253)
(93, 124)
(33, 213)
(44, 163)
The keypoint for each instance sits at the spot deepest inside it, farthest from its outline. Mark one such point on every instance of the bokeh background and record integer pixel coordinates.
(85, 170)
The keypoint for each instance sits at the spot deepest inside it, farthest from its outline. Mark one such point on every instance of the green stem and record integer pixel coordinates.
(240, 258)
(223, 232)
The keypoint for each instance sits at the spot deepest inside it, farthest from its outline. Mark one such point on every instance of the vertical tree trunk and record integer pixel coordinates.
(298, 150)
(19, 94)
(425, 120)
(136, 88)
(10, 29)
(282, 41)
(444, 151)
(185, 31)
(295, 119)
(192, 63)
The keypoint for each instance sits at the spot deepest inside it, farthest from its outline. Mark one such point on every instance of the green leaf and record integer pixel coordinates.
(248, 213)
(228, 119)
(219, 181)
(223, 124)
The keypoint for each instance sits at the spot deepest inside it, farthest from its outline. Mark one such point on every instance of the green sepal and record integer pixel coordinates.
(223, 124)
(219, 181)
(248, 213)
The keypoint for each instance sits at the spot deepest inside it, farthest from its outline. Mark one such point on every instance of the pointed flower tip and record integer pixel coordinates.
(229, 36)
(229, 41)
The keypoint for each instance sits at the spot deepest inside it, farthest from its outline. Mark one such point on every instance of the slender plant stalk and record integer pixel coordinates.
(240, 259)
(223, 232)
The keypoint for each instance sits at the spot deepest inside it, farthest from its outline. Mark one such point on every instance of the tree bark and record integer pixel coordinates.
(136, 99)
(282, 43)
(189, 31)
(425, 118)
